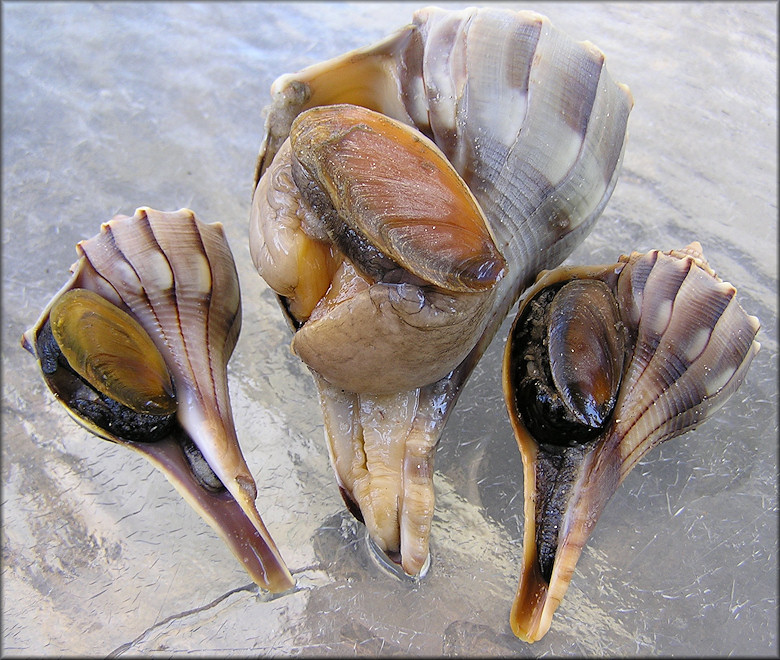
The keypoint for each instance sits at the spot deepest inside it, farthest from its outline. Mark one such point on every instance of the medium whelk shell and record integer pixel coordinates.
(136, 345)
(535, 128)
(602, 364)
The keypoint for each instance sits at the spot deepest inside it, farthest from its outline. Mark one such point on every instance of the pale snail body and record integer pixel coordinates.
(535, 127)
(684, 345)
(163, 280)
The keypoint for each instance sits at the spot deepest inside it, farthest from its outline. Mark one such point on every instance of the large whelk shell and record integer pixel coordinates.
(535, 127)
(683, 345)
(142, 332)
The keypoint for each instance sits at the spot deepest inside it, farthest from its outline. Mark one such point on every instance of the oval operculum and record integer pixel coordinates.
(105, 368)
(390, 201)
(569, 351)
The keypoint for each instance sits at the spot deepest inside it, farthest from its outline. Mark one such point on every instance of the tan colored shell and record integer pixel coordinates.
(535, 126)
(690, 347)
(176, 277)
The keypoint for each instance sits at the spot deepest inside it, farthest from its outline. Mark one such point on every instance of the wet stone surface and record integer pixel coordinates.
(107, 107)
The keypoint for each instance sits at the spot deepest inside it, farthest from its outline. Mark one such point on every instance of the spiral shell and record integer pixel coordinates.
(163, 280)
(684, 344)
(535, 126)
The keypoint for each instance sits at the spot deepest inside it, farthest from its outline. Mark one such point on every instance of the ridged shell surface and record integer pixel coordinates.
(164, 270)
(176, 277)
(689, 345)
(536, 127)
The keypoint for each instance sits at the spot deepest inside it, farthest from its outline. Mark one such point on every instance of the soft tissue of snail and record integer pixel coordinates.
(521, 130)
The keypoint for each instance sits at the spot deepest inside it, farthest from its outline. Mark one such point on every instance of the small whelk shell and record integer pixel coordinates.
(602, 364)
(136, 345)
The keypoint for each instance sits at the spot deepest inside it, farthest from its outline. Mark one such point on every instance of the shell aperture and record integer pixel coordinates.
(536, 127)
(167, 282)
(687, 345)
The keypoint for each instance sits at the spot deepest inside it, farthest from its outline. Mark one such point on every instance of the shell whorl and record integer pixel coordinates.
(531, 119)
(693, 345)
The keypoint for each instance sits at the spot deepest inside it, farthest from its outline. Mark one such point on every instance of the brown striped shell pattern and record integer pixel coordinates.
(135, 346)
(499, 120)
